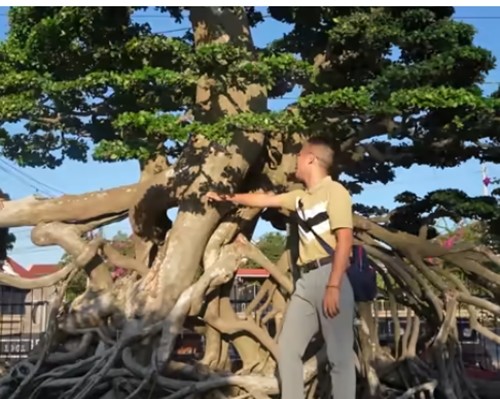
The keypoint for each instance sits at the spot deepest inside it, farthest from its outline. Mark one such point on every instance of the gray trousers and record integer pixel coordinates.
(303, 319)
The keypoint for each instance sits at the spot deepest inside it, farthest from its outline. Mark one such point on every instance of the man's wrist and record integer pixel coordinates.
(334, 282)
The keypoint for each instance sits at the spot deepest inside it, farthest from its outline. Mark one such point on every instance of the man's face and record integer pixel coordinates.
(304, 160)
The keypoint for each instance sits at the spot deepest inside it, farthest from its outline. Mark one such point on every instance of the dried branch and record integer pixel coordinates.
(140, 371)
(231, 327)
(38, 282)
(265, 305)
(264, 290)
(467, 263)
(412, 343)
(117, 259)
(393, 308)
(270, 315)
(31, 211)
(406, 334)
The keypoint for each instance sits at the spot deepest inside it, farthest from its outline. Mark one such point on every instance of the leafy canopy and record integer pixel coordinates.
(390, 86)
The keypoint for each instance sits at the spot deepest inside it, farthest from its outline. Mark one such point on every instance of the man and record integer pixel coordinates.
(323, 297)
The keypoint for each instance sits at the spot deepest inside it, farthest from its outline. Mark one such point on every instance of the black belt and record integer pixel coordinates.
(315, 264)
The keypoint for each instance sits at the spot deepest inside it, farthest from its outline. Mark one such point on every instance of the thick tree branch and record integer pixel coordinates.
(31, 211)
(52, 279)
(68, 237)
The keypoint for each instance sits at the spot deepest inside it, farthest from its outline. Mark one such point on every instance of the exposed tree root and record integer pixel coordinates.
(93, 362)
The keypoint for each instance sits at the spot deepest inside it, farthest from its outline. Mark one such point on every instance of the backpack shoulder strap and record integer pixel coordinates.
(307, 227)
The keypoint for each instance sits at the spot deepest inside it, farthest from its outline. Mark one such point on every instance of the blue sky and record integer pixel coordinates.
(75, 178)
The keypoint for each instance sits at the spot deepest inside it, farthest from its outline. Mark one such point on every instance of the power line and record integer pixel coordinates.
(163, 15)
(182, 29)
(29, 247)
(172, 30)
(34, 250)
(36, 184)
(27, 183)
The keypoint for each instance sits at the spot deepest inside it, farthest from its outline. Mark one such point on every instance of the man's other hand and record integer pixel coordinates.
(331, 302)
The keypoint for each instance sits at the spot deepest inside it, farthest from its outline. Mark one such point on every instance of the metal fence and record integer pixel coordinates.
(23, 319)
(242, 295)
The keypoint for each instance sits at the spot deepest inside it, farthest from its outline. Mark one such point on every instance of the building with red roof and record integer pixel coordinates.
(10, 266)
(252, 273)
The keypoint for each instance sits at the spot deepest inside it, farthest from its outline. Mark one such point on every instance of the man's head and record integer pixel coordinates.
(316, 156)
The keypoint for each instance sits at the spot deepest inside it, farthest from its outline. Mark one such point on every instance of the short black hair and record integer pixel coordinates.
(319, 141)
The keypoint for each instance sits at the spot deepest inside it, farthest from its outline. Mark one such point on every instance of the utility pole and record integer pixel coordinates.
(485, 180)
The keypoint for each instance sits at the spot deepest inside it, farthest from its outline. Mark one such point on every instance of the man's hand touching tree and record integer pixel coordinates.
(216, 197)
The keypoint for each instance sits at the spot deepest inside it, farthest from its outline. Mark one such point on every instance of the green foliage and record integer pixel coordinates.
(77, 286)
(272, 245)
(79, 282)
(416, 212)
(115, 83)
(412, 65)
(122, 243)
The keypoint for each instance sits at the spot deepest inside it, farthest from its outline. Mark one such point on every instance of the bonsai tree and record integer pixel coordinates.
(389, 87)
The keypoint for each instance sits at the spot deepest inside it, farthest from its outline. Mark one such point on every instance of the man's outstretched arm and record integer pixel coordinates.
(255, 200)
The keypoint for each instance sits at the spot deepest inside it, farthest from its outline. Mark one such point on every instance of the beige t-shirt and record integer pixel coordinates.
(327, 207)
